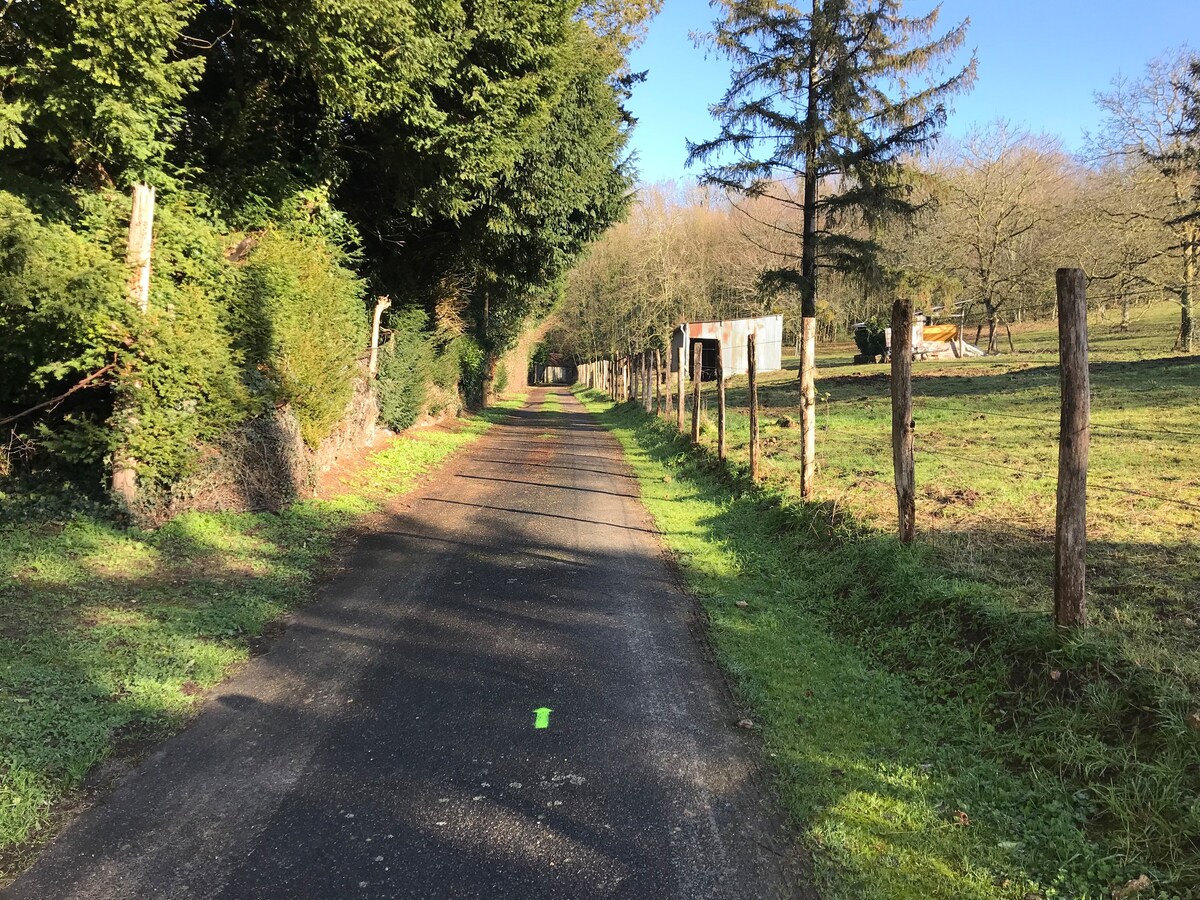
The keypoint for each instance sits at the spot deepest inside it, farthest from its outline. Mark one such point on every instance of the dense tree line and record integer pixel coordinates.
(455, 155)
(994, 214)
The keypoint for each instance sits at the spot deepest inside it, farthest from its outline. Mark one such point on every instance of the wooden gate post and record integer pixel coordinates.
(1070, 541)
(720, 400)
(697, 371)
(752, 374)
(680, 383)
(902, 418)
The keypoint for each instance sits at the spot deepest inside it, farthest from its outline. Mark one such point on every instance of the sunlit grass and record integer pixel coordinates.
(937, 682)
(109, 636)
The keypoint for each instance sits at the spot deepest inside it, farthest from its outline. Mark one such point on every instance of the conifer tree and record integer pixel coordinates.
(826, 104)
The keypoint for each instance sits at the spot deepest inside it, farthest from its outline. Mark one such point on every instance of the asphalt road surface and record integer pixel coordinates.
(386, 745)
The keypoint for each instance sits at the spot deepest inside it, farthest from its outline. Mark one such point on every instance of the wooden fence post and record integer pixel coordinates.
(752, 374)
(680, 384)
(1070, 541)
(697, 371)
(902, 419)
(720, 400)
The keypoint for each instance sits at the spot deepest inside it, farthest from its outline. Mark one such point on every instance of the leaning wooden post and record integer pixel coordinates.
(720, 400)
(1070, 541)
(696, 373)
(381, 304)
(752, 375)
(680, 384)
(902, 419)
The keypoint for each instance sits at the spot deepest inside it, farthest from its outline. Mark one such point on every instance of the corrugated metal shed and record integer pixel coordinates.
(731, 335)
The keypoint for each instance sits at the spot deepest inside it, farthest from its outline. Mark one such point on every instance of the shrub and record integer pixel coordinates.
(301, 319)
(407, 367)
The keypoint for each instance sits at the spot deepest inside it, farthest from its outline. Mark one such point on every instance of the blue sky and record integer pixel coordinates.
(1040, 64)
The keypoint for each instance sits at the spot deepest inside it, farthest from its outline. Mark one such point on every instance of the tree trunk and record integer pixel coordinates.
(1187, 326)
(1125, 312)
(808, 280)
(808, 409)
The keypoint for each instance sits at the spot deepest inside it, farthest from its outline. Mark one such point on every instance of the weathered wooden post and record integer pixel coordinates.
(720, 400)
(1070, 542)
(697, 371)
(902, 419)
(381, 303)
(680, 383)
(752, 375)
(138, 254)
(140, 247)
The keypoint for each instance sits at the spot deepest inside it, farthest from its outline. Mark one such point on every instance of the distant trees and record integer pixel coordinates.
(1153, 128)
(826, 107)
(999, 218)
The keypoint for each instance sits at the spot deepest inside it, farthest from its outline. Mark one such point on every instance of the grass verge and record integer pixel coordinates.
(109, 635)
(931, 740)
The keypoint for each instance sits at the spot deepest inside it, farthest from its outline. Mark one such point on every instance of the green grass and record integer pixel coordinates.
(109, 635)
(929, 677)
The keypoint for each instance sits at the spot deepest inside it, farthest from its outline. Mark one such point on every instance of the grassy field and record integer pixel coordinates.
(934, 735)
(109, 636)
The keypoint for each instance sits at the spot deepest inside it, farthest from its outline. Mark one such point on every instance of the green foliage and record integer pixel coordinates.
(61, 304)
(301, 318)
(407, 365)
(95, 85)
(483, 139)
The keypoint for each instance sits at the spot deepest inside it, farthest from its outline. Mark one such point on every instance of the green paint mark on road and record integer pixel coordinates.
(541, 717)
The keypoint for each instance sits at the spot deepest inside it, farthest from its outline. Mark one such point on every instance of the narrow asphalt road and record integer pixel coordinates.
(386, 744)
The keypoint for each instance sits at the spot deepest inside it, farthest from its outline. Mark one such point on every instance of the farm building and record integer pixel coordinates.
(730, 335)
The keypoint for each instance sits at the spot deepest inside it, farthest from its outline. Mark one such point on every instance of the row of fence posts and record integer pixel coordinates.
(1070, 521)
(625, 378)
(645, 378)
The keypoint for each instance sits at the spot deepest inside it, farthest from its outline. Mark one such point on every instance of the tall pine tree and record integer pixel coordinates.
(825, 106)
